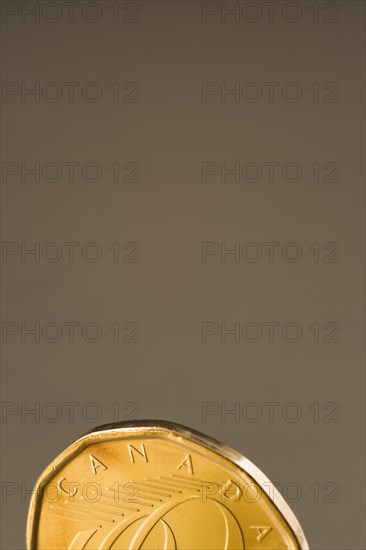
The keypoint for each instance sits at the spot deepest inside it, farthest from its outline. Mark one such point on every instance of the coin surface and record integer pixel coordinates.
(157, 485)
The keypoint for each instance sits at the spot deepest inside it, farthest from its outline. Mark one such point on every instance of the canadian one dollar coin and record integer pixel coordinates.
(157, 485)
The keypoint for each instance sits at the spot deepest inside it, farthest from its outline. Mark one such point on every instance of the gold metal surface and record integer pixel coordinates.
(157, 485)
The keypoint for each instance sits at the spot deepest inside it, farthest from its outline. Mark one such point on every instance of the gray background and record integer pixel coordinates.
(170, 372)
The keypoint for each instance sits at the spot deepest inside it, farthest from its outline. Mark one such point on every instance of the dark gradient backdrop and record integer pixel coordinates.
(182, 189)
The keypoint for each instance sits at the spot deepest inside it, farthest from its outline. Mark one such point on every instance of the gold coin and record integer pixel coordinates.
(157, 485)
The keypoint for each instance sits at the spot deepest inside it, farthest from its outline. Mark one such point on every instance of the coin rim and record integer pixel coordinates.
(177, 430)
